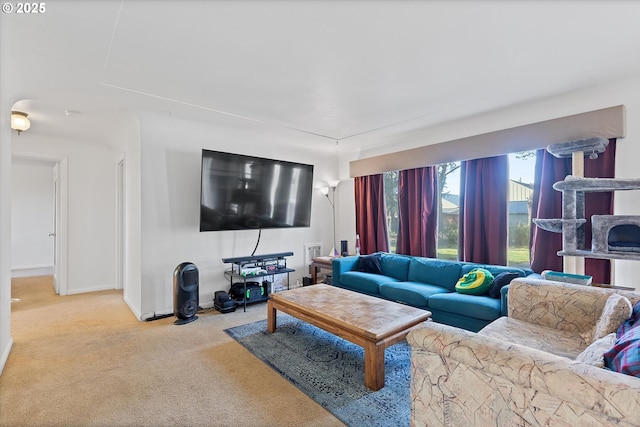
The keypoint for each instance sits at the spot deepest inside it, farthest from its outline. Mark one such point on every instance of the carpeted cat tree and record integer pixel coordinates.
(613, 236)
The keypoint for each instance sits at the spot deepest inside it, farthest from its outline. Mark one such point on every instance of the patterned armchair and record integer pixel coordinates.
(528, 369)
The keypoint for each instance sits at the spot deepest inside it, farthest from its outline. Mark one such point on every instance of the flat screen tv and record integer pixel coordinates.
(241, 192)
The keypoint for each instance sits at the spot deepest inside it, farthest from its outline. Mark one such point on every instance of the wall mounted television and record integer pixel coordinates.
(240, 192)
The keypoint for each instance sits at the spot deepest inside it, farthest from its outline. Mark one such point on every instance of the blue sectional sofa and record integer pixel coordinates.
(427, 283)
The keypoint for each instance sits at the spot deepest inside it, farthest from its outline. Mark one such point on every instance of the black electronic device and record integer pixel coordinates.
(185, 293)
(241, 192)
(344, 248)
(223, 302)
(254, 292)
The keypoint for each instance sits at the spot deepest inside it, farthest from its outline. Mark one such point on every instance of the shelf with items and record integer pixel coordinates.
(255, 267)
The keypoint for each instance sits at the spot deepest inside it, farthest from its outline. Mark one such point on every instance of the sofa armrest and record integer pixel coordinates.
(342, 265)
(558, 305)
(457, 375)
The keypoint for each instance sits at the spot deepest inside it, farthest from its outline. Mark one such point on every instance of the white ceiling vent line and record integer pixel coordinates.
(213, 110)
(113, 36)
(271, 124)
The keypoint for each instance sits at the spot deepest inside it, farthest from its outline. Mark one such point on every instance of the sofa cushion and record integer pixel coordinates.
(396, 266)
(500, 281)
(594, 354)
(543, 338)
(478, 307)
(370, 263)
(476, 282)
(624, 357)
(413, 293)
(435, 272)
(364, 282)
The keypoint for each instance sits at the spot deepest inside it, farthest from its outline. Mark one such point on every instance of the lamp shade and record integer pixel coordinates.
(19, 121)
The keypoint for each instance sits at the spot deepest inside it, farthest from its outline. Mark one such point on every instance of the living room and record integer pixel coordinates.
(159, 131)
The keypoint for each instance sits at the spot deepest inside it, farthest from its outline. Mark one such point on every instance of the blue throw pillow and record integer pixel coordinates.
(500, 281)
(370, 263)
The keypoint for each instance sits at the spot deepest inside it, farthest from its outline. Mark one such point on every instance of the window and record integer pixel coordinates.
(521, 176)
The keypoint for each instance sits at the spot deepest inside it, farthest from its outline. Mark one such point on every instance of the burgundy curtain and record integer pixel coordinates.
(547, 203)
(371, 214)
(484, 187)
(418, 212)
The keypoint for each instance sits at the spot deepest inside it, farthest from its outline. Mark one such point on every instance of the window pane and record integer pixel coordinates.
(449, 187)
(391, 201)
(521, 176)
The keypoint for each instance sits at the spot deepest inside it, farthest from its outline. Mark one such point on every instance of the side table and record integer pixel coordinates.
(319, 263)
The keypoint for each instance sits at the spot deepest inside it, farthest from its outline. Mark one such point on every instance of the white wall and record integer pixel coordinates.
(625, 92)
(32, 216)
(5, 231)
(91, 208)
(170, 164)
(127, 146)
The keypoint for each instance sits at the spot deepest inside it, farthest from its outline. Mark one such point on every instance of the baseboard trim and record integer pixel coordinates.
(32, 271)
(132, 308)
(96, 289)
(5, 354)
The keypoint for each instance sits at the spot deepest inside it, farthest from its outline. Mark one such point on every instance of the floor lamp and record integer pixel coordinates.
(333, 184)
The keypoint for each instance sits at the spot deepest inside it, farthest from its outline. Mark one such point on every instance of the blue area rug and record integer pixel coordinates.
(330, 370)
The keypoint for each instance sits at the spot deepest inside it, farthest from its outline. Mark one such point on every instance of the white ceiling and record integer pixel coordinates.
(353, 71)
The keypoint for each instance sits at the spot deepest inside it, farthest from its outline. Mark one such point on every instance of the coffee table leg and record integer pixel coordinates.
(374, 365)
(271, 317)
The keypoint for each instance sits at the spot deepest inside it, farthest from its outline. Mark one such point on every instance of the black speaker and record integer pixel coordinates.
(185, 293)
(344, 248)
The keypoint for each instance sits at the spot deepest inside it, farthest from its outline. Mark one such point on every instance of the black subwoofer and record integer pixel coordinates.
(185, 293)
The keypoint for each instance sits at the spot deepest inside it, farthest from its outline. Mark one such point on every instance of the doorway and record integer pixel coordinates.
(58, 228)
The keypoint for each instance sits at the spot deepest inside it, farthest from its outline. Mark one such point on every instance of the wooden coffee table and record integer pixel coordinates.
(370, 322)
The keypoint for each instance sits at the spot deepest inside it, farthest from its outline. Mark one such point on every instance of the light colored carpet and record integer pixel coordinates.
(84, 360)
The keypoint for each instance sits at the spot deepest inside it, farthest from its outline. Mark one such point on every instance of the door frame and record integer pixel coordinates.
(121, 224)
(61, 169)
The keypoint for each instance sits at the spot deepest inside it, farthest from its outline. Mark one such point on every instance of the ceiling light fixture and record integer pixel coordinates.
(19, 121)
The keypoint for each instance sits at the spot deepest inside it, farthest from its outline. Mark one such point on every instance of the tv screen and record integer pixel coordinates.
(241, 192)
